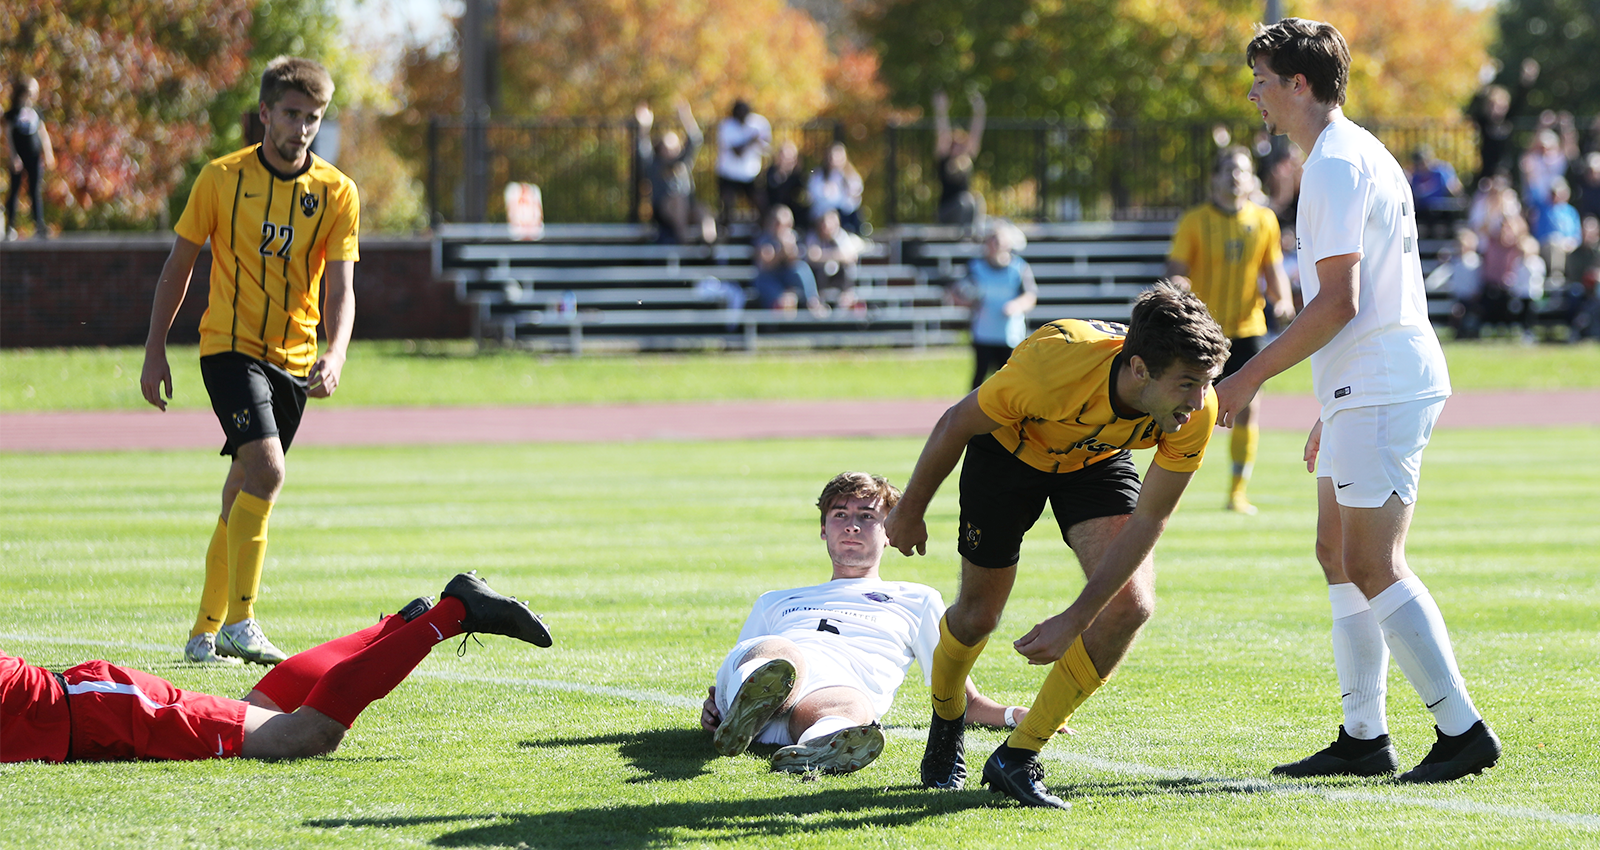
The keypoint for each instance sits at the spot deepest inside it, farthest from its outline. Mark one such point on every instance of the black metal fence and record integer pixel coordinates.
(1027, 170)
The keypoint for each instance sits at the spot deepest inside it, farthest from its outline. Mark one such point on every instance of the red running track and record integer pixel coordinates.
(151, 429)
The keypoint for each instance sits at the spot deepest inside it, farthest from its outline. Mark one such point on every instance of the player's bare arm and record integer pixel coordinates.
(905, 526)
(337, 323)
(156, 375)
(1046, 642)
(1320, 321)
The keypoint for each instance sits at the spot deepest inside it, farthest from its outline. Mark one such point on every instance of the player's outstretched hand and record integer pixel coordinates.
(1233, 396)
(155, 377)
(906, 532)
(1313, 445)
(710, 717)
(1046, 642)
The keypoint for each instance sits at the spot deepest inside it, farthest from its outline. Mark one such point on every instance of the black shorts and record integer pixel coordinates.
(1240, 350)
(253, 399)
(1002, 497)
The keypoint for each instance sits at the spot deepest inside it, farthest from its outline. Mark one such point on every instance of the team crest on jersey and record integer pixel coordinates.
(308, 205)
(241, 419)
(875, 596)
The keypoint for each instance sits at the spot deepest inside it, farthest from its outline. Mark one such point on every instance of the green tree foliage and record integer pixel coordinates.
(1564, 36)
(124, 90)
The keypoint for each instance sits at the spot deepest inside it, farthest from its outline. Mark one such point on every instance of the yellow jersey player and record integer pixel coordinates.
(1056, 424)
(283, 225)
(1221, 251)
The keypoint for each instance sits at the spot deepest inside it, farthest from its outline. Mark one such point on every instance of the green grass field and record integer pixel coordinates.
(451, 373)
(645, 559)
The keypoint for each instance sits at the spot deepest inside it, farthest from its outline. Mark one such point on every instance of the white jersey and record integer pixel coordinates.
(877, 627)
(1355, 199)
(742, 166)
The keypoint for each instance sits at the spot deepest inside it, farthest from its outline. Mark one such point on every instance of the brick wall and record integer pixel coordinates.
(96, 290)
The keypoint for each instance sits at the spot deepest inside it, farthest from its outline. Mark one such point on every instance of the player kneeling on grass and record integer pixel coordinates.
(820, 665)
(98, 711)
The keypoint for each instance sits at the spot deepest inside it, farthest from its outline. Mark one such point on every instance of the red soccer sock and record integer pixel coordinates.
(370, 674)
(288, 683)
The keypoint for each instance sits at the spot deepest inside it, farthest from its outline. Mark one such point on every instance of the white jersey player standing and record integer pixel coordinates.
(1380, 375)
(820, 665)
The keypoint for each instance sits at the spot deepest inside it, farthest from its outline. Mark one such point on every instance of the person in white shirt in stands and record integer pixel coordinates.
(742, 140)
(1380, 375)
(820, 665)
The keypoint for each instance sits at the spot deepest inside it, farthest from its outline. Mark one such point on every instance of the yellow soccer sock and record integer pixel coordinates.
(247, 551)
(1071, 680)
(952, 662)
(214, 595)
(1243, 448)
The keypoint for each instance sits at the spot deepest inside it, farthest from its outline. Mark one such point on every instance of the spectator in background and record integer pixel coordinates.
(784, 182)
(31, 154)
(1500, 240)
(1582, 274)
(669, 165)
(1585, 185)
(782, 277)
(742, 141)
(1436, 189)
(1545, 161)
(954, 152)
(1494, 110)
(1000, 289)
(832, 253)
(1525, 284)
(1558, 228)
(837, 186)
(1461, 271)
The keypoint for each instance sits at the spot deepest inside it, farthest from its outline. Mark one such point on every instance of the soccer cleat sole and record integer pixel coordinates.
(759, 697)
(844, 751)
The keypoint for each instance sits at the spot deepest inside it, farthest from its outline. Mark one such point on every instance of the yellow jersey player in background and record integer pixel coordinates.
(1056, 424)
(283, 225)
(1221, 251)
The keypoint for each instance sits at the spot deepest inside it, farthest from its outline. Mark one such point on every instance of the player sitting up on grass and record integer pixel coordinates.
(820, 665)
(1056, 424)
(98, 711)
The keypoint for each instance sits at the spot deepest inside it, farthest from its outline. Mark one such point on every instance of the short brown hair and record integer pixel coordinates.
(1171, 323)
(1312, 48)
(862, 485)
(291, 73)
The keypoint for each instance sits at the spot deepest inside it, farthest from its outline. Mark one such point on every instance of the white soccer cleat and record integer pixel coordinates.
(245, 640)
(845, 751)
(202, 649)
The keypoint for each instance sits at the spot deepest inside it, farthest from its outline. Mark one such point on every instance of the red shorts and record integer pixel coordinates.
(118, 713)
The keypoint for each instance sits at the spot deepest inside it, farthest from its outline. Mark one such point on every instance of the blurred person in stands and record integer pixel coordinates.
(668, 163)
(1525, 285)
(784, 181)
(782, 276)
(1585, 185)
(31, 154)
(999, 287)
(1582, 275)
(837, 186)
(743, 138)
(833, 253)
(1558, 228)
(1436, 190)
(1494, 109)
(954, 153)
(1460, 270)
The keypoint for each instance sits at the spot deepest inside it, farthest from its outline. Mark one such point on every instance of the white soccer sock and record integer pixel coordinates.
(1415, 631)
(1362, 661)
(827, 726)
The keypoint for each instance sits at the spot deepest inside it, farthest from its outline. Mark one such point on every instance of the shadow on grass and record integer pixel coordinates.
(669, 824)
(665, 755)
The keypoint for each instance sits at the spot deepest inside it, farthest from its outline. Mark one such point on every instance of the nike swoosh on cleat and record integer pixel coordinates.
(436, 631)
(219, 745)
(1439, 700)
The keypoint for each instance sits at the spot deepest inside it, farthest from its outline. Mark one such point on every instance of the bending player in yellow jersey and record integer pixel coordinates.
(1056, 423)
(1221, 251)
(282, 223)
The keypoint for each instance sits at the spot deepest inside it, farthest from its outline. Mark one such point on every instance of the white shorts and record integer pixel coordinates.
(823, 670)
(1373, 452)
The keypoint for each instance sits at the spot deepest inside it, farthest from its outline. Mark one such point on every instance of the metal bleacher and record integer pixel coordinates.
(609, 287)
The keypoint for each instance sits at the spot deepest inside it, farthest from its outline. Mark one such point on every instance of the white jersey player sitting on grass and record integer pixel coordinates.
(820, 665)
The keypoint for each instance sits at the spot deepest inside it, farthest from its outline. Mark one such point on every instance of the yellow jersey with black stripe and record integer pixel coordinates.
(272, 235)
(1226, 253)
(1053, 402)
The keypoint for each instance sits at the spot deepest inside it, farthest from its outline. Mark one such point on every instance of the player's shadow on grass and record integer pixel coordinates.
(665, 755)
(788, 818)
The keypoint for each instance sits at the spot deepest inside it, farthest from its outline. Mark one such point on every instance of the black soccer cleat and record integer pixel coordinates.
(944, 761)
(491, 613)
(415, 608)
(1455, 756)
(1346, 756)
(1017, 774)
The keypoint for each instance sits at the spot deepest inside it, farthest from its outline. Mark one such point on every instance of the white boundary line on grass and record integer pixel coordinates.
(1257, 786)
